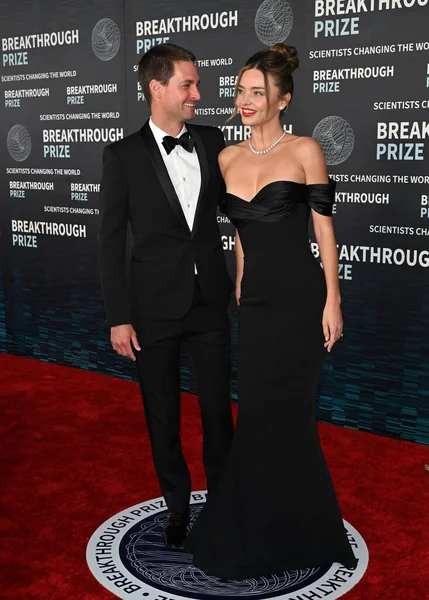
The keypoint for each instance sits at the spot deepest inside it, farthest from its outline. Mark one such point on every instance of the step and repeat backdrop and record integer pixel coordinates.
(69, 86)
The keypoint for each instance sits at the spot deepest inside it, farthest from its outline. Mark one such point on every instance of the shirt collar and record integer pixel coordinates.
(159, 135)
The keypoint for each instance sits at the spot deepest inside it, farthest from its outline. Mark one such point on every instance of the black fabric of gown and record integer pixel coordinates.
(275, 506)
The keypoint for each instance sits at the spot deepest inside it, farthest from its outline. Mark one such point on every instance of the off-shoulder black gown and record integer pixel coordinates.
(275, 507)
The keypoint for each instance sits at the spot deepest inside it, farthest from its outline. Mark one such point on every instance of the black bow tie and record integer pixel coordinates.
(184, 140)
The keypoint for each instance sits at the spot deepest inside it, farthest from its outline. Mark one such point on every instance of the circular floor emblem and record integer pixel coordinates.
(127, 555)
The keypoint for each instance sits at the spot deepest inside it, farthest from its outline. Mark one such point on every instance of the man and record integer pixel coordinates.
(165, 182)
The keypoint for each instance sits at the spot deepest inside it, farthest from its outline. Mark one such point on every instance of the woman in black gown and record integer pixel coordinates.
(275, 507)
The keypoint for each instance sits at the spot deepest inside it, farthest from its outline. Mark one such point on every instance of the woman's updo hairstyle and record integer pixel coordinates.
(279, 61)
(289, 53)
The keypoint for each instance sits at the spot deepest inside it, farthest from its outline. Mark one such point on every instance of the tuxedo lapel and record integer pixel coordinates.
(204, 166)
(163, 176)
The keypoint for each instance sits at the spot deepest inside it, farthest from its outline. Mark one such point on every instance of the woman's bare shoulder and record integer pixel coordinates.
(230, 152)
(306, 144)
(312, 160)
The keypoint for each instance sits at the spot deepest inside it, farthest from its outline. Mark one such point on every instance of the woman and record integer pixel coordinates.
(275, 507)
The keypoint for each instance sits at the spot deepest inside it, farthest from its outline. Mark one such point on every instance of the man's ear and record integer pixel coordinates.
(155, 87)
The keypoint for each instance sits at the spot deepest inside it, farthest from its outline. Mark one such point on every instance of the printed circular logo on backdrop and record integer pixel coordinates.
(273, 21)
(336, 138)
(127, 556)
(106, 39)
(19, 143)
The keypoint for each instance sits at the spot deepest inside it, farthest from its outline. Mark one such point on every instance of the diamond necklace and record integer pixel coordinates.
(269, 147)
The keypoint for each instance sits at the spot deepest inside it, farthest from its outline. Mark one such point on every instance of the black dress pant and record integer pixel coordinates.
(205, 334)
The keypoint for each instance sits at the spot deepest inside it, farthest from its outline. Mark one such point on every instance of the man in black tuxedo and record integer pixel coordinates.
(164, 181)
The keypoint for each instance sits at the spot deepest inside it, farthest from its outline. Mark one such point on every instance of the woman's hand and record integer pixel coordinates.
(332, 323)
(239, 260)
(238, 292)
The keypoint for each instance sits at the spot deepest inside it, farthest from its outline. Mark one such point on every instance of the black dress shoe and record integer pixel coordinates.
(175, 529)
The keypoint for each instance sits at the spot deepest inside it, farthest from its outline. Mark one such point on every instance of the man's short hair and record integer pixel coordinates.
(158, 63)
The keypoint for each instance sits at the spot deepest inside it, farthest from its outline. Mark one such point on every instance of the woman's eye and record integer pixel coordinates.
(239, 92)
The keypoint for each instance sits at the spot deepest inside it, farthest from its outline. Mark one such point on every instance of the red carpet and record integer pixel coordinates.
(74, 451)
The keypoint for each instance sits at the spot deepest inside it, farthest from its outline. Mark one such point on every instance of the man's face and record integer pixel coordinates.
(179, 97)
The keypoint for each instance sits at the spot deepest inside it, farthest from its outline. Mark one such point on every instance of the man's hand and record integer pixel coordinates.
(124, 339)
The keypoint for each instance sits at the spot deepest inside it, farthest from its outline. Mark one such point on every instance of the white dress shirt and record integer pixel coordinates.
(184, 170)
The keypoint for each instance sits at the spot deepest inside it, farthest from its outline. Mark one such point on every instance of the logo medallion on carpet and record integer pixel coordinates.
(127, 556)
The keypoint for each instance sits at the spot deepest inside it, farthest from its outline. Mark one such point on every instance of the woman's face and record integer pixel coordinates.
(254, 102)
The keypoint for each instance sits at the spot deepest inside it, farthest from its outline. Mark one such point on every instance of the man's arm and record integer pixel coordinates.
(112, 255)
(221, 146)
(112, 240)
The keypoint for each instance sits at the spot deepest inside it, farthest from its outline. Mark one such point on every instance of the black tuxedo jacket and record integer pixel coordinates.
(136, 190)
